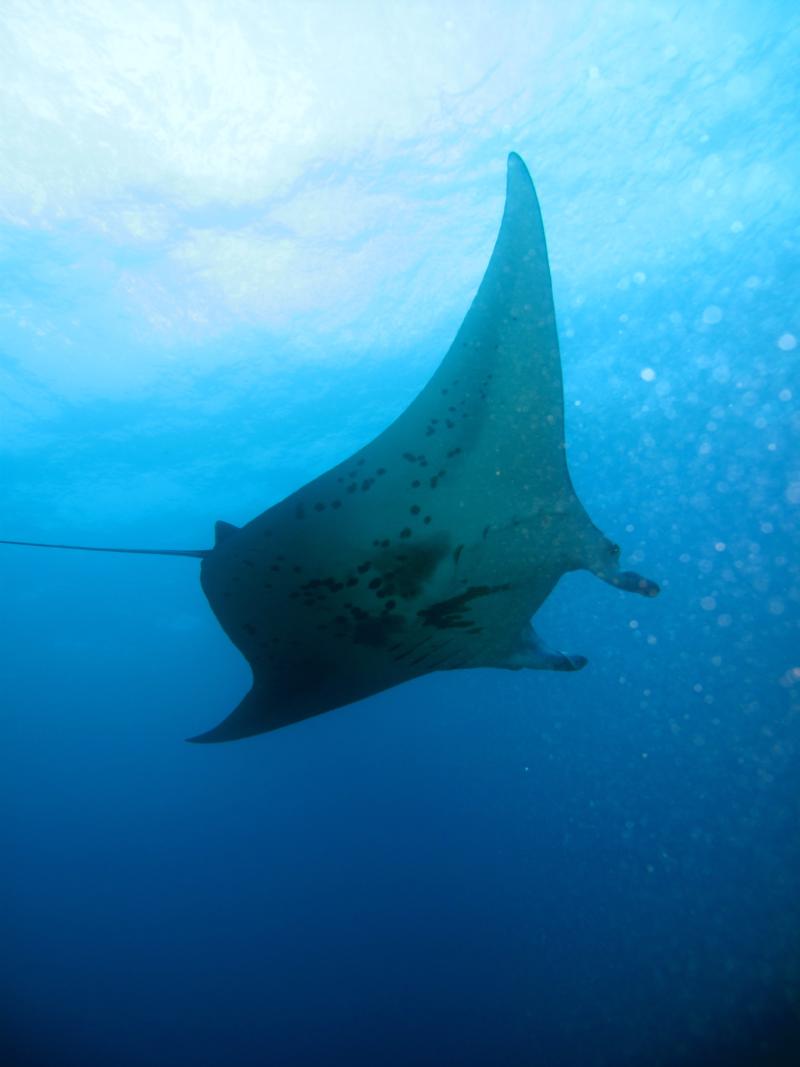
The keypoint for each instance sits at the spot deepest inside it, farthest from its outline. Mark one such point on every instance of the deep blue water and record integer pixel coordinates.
(479, 867)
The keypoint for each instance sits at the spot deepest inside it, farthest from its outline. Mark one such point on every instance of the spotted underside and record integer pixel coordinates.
(433, 546)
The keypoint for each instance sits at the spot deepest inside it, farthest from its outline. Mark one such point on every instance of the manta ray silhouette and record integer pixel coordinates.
(430, 548)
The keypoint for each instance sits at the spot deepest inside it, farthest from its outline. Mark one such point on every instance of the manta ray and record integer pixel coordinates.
(433, 546)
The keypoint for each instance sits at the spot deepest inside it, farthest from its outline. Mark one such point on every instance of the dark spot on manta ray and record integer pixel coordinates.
(415, 509)
(453, 452)
(380, 471)
(410, 576)
(299, 511)
(405, 532)
(320, 505)
(335, 504)
(411, 649)
(375, 632)
(409, 457)
(375, 583)
(362, 568)
(449, 613)
(366, 484)
(416, 484)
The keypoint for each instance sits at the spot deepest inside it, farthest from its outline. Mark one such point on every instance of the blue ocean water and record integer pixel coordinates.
(236, 243)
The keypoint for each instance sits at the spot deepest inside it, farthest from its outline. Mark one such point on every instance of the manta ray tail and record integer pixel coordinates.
(195, 553)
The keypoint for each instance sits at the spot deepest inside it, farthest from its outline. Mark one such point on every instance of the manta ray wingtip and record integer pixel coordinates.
(247, 719)
(200, 739)
(516, 166)
(217, 735)
(519, 184)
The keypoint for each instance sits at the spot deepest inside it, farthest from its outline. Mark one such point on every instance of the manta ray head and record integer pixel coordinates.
(601, 556)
